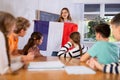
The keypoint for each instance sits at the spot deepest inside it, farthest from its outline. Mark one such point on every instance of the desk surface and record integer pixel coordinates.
(23, 74)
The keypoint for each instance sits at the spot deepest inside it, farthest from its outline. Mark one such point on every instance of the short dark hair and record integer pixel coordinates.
(116, 20)
(103, 29)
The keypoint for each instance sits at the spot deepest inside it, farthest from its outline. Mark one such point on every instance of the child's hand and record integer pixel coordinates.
(94, 64)
(91, 63)
(28, 57)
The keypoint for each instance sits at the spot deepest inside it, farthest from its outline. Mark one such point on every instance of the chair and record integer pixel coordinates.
(54, 53)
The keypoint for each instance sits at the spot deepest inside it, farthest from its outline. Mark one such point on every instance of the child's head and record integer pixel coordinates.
(65, 14)
(35, 40)
(115, 24)
(7, 22)
(75, 37)
(102, 31)
(21, 26)
(37, 37)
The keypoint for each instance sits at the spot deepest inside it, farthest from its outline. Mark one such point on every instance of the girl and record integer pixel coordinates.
(7, 22)
(65, 16)
(74, 43)
(32, 46)
(7, 25)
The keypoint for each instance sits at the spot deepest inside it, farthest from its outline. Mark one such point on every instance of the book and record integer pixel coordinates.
(46, 65)
(79, 70)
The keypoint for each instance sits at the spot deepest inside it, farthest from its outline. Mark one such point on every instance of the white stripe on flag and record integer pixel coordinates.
(54, 37)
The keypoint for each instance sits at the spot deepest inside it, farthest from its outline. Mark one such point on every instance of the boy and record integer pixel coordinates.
(104, 51)
(22, 24)
(21, 27)
(113, 67)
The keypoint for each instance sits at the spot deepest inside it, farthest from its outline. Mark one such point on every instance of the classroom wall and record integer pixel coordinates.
(27, 9)
(95, 1)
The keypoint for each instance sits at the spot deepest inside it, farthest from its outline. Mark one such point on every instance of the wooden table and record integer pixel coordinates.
(24, 74)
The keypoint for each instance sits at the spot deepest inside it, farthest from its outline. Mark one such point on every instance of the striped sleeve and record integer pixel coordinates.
(64, 49)
(84, 48)
(74, 53)
(112, 68)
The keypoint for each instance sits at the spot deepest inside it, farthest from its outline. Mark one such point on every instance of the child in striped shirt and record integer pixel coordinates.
(76, 48)
(112, 67)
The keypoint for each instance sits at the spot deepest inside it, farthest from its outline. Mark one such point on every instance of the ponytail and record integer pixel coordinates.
(28, 45)
(7, 49)
(80, 48)
(75, 36)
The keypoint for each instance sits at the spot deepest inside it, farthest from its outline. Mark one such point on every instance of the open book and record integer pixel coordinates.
(79, 70)
(46, 65)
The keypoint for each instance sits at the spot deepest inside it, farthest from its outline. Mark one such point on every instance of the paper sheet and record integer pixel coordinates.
(47, 65)
(79, 70)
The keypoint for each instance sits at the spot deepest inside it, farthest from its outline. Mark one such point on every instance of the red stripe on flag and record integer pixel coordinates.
(68, 29)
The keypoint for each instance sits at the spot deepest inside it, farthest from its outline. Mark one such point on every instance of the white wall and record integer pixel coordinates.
(95, 1)
(27, 8)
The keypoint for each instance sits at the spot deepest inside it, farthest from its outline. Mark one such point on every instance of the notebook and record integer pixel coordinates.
(46, 65)
(79, 70)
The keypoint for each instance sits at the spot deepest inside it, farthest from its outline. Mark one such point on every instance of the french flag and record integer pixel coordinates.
(55, 34)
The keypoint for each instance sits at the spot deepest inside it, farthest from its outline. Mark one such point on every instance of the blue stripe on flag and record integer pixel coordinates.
(43, 27)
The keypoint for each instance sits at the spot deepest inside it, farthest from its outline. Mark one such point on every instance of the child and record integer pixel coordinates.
(65, 16)
(32, 46)
(7, 25)
(21, 27)
(74, 42)
(112, 67)
(7, 22)
(104, 51)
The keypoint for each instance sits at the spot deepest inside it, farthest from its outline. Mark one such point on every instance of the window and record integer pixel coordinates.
(112, 7)
(91, 12)
(95, 14)
(91, 7)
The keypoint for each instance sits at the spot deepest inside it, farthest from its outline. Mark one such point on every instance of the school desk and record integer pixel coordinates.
(24, 74)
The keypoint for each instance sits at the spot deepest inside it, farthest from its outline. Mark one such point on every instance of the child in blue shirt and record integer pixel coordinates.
(104, 51)
(112, 67)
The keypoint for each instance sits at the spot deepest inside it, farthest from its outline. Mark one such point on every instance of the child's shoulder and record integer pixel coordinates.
(99, 43)
(102, 42)
(11, 35)
(105, 43)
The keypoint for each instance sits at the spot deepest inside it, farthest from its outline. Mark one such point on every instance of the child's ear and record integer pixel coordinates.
(99, 35)
(22, 31)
